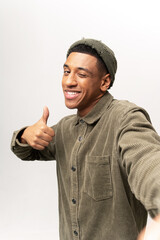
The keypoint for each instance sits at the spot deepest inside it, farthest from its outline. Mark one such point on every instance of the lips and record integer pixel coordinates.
(71, 94)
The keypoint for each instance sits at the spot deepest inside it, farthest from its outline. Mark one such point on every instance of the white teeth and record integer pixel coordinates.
(72, 93)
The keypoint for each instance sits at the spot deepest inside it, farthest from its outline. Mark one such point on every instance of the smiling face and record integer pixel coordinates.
(83, 84)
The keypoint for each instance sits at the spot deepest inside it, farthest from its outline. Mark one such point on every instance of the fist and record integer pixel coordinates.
(39, 135)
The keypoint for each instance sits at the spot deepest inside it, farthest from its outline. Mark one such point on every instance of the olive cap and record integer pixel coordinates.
(105, 53)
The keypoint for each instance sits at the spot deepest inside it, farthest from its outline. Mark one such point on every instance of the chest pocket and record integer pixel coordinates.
(97, 180)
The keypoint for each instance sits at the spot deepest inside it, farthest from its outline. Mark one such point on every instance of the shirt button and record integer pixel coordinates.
(75, 233)
(73, 201)
(80, 138)
(73, 169)
(81, 121)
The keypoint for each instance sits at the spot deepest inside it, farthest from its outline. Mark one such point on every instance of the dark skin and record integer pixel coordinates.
(83, 83)
(83, 86)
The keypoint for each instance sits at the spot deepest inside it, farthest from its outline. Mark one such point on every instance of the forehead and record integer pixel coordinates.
(76, 60)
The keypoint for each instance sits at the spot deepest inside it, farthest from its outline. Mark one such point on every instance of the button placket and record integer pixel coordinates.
(82, 127)
(74, 192)
(82, 130)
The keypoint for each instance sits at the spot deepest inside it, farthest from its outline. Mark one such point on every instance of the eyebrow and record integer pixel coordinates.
(65, 65)
(80, 68)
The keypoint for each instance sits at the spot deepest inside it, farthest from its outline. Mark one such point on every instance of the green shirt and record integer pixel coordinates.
(108, 169)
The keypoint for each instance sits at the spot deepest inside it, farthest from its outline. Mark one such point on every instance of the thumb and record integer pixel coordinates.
(45, 114)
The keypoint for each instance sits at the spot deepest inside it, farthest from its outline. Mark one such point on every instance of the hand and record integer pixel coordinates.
(152, 232)
(39, 135)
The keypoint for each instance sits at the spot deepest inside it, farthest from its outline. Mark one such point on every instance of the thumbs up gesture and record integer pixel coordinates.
(39, 135)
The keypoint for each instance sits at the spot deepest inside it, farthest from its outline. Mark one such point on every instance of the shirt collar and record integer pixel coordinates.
(97, 110)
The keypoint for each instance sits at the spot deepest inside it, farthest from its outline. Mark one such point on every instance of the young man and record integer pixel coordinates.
(108, 154)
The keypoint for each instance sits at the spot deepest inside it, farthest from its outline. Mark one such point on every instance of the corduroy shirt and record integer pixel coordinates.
(108, 169)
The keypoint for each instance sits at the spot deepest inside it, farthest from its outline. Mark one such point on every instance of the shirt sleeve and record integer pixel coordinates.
(26, 152)
(139, 149)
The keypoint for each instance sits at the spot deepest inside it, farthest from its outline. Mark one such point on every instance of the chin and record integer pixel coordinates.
(70, 107)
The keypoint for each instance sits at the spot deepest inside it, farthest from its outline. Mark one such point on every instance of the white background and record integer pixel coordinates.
(34, 38)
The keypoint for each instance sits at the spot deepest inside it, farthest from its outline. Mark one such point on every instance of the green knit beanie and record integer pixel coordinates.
(105, 53)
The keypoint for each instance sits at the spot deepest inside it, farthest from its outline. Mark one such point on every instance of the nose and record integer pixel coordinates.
(70, 80)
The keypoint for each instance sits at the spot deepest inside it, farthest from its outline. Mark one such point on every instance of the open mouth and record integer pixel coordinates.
(71, 94)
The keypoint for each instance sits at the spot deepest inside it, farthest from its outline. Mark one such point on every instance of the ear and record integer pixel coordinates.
(105, 82)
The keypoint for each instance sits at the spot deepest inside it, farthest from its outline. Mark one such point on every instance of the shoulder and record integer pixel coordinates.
(122, 108)
(123, 105)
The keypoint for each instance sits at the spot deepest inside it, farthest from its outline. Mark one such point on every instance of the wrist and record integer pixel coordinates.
(21, 138)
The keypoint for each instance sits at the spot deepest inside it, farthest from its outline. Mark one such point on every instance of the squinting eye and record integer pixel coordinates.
(66, 72)
(82, 75)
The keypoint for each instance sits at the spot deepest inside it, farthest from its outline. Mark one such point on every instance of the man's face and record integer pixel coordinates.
(82, 82)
